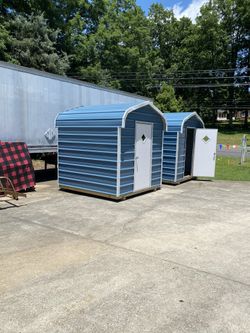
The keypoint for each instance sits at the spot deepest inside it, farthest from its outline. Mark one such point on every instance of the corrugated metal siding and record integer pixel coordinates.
(169, 155)
(145, 114)
(88, 146)
(174, 151)
(180, 165)
(30, 101)
(89, 161)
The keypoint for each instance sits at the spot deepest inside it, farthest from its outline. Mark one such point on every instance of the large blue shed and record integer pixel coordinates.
(179, 145)
(111, 150)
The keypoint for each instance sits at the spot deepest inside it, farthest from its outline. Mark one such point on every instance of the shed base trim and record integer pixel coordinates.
(110, 196)
(183, 180)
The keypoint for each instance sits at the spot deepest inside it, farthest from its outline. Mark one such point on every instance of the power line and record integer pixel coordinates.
(189, 71)
(212, 85)
(226, 107)
(170, 78)
(179, 79)
(164, 76)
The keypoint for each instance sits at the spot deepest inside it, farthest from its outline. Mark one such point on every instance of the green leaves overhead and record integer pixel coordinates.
(4, 41)
(166, 100)
(114, 43)
(121, 38)
(33, 44)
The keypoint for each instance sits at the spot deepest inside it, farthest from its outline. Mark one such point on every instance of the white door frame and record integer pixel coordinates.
(192, 166)
(151, 150)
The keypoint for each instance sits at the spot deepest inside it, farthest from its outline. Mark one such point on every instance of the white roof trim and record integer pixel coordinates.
(140, 105)
(190, 116)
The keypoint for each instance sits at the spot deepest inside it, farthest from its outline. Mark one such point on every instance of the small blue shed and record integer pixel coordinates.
(179, 145)
(111, 150)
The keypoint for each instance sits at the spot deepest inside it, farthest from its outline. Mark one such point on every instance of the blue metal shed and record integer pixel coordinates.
(178, 145)
(111, 150)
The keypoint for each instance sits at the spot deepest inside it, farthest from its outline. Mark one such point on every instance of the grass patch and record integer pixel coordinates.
(228, 135)
(228, 168)
(232, 137)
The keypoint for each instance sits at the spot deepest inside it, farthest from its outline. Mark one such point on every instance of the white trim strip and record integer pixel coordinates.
(140, 105)
(162, 148)
(190, 116)
(118, 172)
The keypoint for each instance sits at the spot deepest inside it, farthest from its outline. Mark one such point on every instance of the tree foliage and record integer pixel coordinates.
(4, 41)
(33, 44)
(180, 63)
(167, 101)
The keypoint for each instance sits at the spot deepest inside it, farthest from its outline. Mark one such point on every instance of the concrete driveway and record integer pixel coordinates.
(175, 260)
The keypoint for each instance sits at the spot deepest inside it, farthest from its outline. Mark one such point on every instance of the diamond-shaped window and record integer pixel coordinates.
(206, 139)
(143, 138)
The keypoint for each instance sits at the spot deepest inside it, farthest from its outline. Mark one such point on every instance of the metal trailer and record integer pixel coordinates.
(189, 149)
(111, 150)
(31, 100)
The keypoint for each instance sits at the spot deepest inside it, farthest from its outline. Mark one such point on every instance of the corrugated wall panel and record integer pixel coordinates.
(85, 164)
(169, 155)
(181, 156)
(174, 166)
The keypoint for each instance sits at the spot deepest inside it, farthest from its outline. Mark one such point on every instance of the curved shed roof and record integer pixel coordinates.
(177, 120)
(113, 115)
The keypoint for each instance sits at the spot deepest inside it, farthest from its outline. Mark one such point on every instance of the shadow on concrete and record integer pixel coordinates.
(204, 180)
(9, 204)
(106, 198)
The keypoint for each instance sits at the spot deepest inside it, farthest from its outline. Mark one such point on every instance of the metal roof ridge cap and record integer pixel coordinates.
(200, 119)
(59, 113)
(190, 116)
(140, 105)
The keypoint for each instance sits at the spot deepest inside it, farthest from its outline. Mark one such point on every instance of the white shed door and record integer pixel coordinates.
(143, 155)
(204, 159)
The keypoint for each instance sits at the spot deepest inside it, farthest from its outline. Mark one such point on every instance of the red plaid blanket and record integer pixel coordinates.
(16, 164)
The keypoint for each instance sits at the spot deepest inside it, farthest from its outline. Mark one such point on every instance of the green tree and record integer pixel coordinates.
(166, 100)
(33, 44)
(182, 49)
(162, 30)
(228, 25)
(121, 46)
(69, 18)
(4, 40)
(235, 20)
(113, 43)
(205, 46)
(209, 40)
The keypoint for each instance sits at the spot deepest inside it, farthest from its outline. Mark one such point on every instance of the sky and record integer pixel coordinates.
(189, 8)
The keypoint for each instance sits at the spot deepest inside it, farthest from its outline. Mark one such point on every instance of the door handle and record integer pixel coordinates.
(214, 158)
(136, 163)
